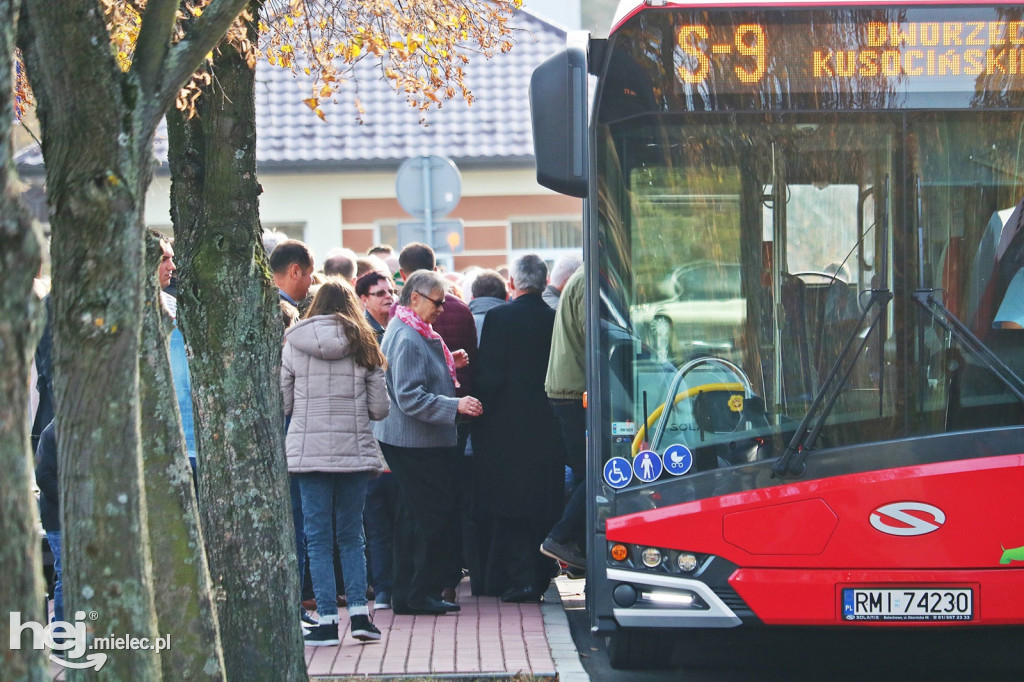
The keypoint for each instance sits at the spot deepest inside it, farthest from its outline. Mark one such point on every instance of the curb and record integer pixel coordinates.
(563, 650)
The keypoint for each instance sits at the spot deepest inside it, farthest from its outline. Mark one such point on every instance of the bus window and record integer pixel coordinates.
(754, 251)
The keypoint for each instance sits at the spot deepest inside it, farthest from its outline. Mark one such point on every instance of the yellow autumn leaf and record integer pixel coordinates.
(312, 102)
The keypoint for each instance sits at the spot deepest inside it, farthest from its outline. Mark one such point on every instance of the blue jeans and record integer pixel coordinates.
(335, 499)
(53, 539)
(299, 522)
(381, 507)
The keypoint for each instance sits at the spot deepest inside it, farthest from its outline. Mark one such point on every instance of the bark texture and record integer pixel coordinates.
(97, 129)
(184, 600)
(20, 319)
(228, 311)
(96, 178)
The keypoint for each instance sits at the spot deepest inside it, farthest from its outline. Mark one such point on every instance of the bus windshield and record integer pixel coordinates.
(740, 256)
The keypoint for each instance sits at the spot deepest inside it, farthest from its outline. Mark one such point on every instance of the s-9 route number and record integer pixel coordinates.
(748, 41)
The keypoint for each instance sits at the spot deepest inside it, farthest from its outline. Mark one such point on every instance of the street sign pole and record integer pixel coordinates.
(428, 203)
(428, 187)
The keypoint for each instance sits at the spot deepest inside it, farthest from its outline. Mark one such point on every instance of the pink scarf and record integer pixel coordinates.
(426, 331)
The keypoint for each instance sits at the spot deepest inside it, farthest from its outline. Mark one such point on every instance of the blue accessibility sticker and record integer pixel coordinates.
(617, 472)
(647, 466)
(678, 459)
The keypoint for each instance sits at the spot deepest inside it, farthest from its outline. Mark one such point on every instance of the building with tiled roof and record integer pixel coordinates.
(332, 183)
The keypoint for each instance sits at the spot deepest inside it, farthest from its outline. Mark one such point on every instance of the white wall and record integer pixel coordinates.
(314, 200)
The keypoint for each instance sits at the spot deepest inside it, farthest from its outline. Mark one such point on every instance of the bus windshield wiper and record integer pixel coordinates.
(792, 461)
(947, 320)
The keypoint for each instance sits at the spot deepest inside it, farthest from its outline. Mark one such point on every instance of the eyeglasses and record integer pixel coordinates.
(437, 304)
(382, 293)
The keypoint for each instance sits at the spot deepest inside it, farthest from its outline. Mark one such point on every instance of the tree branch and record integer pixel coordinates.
(154, 43)
(184, 58)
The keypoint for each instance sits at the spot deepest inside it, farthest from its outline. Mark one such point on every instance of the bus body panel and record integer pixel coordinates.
(959, 514)
(814, 597)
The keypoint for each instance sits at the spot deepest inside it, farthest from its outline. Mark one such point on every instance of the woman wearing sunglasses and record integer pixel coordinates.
(419, 440)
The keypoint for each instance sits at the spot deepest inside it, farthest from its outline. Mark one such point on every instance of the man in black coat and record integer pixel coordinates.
(517, 442)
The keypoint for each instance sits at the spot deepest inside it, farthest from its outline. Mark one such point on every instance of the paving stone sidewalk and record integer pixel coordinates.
(485, 640)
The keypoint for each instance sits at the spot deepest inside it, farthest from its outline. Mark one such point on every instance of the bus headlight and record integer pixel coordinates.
(651, 557)
(681, 598)
(686, 562)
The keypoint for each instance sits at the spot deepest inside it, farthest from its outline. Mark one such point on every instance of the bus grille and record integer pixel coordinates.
(733, 600)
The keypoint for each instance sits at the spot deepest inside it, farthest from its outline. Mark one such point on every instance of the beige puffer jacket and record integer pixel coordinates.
(331, 400)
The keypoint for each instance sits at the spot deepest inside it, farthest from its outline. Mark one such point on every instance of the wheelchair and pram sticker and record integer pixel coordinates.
(618, 472)
(647, 466)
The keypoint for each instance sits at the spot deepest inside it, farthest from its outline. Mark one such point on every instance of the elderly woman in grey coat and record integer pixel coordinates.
(332, 380)
(419, 441)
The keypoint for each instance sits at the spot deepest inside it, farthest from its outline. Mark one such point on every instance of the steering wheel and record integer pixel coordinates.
(661, 414)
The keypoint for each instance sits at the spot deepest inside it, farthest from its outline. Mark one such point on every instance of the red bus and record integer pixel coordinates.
(804, 244)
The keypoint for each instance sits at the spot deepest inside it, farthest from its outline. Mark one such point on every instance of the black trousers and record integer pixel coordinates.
(424, 544)
(514, 559)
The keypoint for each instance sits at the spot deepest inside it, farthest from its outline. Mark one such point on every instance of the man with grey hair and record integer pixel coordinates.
(271, 238)
(560, 274)
(519, 471)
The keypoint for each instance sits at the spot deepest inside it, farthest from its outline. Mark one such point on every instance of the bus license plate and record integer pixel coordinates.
(908, 604)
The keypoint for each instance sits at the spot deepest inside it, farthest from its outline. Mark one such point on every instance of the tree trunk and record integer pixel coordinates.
(96, 174)
(21, 589)
(229, 315)
(184, 602)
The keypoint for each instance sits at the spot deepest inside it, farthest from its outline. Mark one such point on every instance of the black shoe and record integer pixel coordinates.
(324, 634)
(306, 620)
(566, 552)
(432, 606)
(522, 595)
(364, 630)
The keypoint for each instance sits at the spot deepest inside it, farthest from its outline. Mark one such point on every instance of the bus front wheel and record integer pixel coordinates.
(641, 649)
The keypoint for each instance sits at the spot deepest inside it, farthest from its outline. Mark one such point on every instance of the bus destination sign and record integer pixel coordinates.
(872, 49)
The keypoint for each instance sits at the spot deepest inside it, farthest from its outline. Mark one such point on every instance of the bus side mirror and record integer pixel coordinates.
(559, 107)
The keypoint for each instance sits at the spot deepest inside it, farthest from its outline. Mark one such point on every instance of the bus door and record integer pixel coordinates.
(755, 248)
(826, 230)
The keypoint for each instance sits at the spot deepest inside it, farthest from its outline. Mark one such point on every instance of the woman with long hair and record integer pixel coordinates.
(332, 380)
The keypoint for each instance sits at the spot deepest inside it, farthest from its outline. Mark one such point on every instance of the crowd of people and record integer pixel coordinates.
(434, 429)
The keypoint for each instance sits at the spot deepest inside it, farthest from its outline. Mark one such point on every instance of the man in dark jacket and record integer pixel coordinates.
(517, 442)
(49, 508)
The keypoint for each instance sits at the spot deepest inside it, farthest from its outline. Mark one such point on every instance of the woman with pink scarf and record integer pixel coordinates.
(418, 439)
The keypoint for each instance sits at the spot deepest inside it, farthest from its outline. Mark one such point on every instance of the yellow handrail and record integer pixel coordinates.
(641, 435)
